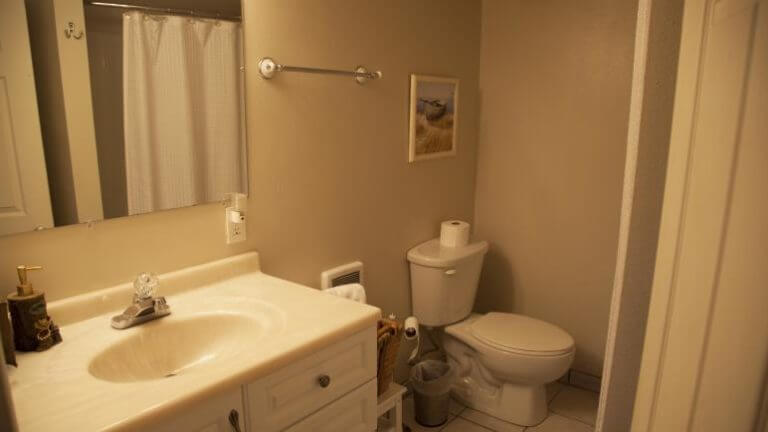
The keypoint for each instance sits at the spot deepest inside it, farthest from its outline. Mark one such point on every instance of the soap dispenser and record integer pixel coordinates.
(33, 329)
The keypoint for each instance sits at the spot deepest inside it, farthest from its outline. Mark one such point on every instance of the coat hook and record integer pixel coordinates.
(69, 32)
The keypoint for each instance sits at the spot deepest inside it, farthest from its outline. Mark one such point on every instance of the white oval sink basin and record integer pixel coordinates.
(165, 348)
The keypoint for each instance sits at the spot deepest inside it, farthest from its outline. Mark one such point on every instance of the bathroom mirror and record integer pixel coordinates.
(140, 106)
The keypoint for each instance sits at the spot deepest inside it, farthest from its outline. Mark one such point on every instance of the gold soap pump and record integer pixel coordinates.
(33, 329)
(24, 288)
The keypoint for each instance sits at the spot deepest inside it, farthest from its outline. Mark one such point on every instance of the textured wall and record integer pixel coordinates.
(330, 157)
(555, 87)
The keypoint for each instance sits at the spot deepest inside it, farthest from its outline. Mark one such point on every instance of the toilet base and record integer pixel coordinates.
(519, 404)
(503, 384)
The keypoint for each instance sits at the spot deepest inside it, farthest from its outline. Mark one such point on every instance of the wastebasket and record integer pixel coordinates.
(431, 381)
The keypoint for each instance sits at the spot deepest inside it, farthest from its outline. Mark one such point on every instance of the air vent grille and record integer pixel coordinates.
(348, 278)
(341, 275)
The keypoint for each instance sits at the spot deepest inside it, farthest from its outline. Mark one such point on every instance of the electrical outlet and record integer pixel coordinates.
(235, 221)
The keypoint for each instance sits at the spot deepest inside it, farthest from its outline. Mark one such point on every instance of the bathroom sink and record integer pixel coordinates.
(230, 325)
(169, 347)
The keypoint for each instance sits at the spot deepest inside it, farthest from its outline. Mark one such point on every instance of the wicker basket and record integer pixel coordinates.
(390, 333)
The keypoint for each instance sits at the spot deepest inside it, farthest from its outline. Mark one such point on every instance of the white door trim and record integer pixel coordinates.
(697, 203)
(642, 31)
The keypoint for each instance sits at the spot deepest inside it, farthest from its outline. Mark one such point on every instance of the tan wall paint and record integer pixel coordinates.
(79, 258)
(330, 157)
(329, 176)
(555, 85)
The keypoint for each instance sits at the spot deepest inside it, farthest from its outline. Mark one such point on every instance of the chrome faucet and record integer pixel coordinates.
(145, 306)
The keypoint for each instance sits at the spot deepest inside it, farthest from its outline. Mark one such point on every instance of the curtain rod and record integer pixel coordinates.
(185, 12)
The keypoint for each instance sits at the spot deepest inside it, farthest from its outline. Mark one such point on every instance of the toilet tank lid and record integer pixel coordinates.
(521, 333)
(432, 254)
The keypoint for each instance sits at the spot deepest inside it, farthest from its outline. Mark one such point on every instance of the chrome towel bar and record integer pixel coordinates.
(268, 67)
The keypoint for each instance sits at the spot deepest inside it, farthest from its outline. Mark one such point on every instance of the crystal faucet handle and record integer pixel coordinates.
(146, 285)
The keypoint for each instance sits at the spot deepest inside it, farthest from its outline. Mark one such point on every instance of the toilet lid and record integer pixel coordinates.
(519, 333)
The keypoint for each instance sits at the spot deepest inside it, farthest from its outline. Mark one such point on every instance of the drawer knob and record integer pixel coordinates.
(324, 380)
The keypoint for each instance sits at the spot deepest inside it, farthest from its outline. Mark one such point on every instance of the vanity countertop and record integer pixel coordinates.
(54, 390)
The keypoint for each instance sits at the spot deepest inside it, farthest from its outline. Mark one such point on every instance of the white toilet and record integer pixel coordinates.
(503, 361)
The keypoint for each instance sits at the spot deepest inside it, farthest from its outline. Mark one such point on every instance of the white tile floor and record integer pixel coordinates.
(571, 410)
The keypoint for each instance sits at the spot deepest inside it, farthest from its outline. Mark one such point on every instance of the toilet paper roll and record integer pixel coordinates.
(411, 330)
(454, 233)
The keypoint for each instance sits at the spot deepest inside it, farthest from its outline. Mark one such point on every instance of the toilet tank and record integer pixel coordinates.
(444, 281)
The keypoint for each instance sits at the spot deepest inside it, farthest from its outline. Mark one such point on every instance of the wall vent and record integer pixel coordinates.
(341, 275)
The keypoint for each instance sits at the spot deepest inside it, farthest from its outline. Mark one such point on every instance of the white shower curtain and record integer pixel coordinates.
(183, 111)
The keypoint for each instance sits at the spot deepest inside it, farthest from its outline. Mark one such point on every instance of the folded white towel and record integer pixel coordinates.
(354, 292)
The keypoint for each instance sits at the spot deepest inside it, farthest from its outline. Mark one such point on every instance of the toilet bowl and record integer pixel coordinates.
(503, 361)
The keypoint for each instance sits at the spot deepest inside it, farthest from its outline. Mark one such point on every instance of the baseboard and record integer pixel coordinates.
(582, 380)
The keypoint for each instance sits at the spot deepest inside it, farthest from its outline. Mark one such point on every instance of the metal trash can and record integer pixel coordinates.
(431, 381)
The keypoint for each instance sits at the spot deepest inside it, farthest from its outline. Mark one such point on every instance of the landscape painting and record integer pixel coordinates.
(433, 117)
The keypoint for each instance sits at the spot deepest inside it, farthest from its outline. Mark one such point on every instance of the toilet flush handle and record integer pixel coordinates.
(450, 272)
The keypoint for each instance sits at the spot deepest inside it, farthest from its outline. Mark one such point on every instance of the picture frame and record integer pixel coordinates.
(433, 125)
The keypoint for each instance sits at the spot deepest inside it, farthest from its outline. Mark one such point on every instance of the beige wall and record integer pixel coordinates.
(330, 159)
(329, 176)
(555, 85)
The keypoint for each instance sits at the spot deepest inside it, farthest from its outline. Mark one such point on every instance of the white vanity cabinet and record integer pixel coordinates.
(353, 412)
(211, 415)
(333, 389)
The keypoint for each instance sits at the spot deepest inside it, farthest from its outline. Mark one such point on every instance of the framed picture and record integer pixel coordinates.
(434, 115)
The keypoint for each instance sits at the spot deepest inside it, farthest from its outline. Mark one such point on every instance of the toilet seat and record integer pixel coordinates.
(522, 335)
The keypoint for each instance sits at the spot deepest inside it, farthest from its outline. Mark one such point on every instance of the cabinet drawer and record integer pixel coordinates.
(210, 415)
(354, 412)
(290, 394)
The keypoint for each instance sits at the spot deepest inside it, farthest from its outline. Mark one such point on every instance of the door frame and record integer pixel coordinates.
(658, 386)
